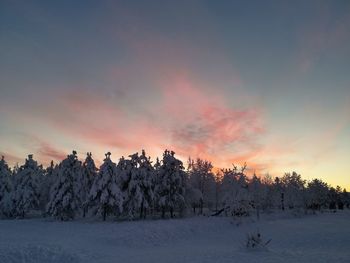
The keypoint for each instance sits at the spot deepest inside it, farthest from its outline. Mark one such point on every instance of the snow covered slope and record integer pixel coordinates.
(317, 238)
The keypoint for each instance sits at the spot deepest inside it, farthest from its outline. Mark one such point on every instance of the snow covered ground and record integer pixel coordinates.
(314, 238)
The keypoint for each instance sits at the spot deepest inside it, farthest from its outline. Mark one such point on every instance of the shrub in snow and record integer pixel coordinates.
(105, 194)
(64, 199)
(26, 195)
(255, 241)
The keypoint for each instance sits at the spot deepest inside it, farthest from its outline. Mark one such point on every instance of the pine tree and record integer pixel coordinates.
(5, 189)
(105, 194)
(27, 191)
(64, 200)
(171, 187)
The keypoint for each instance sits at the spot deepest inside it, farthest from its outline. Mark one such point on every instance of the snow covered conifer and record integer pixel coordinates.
(27, 188)
(49, 178)
(64, 201)
(5, 189)
(87, 178)
(139, 189)
(171, 186)
(127, 171)
(147, 175)
(105, 194)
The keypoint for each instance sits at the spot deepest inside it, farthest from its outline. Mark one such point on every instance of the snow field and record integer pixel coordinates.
(313, 238)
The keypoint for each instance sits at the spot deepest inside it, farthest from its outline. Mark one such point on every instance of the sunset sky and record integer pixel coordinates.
(266, 82)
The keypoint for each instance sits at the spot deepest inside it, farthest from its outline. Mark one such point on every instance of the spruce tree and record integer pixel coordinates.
(5, 189)
(48, 180)
(87, 178)
(105, 194)
(138, 181)
(27, 188)
(171, 187)
(64, 200)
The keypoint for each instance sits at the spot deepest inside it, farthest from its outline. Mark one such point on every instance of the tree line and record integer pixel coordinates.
(135, 187)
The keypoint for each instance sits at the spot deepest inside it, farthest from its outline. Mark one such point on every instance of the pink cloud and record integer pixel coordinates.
(11, 159)
(186, 118)
(47, 152)
(202, 123)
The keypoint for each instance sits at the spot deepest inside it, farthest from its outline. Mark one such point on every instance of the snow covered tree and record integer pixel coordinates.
(201, 178)
(49, 178)
(346, 198)
(278, 194)
(105, 195)
(64, 199)
(236, 196)
(145, 184)
(137, 176)
(86, 180)
(340, 199)
(171, 184)
(156, 185)
(317, 193)
(256, 189)
(332, 198)
(125, 169)
(293, 187)
(194, 198)
(268, 192)
(5, 189)
(27, 187)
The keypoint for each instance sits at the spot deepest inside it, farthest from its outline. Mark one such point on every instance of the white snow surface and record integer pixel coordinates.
(313, 238)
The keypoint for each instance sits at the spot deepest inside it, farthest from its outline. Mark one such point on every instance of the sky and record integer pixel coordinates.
(261, 82)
